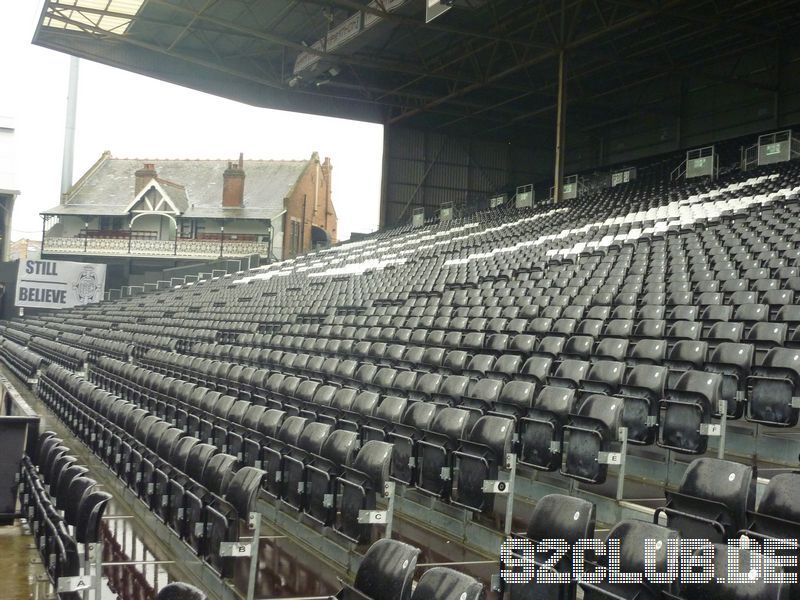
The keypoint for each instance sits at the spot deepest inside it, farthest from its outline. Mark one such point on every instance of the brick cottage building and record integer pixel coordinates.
(189, 210)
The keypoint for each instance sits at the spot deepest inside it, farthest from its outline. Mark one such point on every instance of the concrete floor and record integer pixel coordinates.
(17, 564)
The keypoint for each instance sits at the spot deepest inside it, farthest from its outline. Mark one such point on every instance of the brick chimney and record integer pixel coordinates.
(233, 184)
(144, 175)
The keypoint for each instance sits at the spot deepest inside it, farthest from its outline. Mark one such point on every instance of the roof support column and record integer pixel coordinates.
(385, 174)
(561, 109)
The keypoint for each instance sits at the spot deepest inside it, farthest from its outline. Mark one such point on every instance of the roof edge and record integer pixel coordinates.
(146, 188)
(309, 162)
(219, 160)
(76, 187)
(163, 181)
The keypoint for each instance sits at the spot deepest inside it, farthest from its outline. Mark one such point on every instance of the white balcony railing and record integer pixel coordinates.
(152, 248)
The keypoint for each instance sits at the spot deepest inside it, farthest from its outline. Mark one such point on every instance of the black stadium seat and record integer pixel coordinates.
(727, 590)
(386, 573)
(479, 459)
(358, 486)
(592, 432)
(713, 499)
(632, 538)
(688, 409)
(441, 583)
(555, 516)
(180, 591)
(774, 388)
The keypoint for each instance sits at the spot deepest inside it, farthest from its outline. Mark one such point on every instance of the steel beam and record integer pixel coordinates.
(420, 23)
(539, 58)
(460, 56)
(639, 80)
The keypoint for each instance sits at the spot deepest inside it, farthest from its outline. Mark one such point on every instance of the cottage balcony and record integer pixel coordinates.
(147, 244)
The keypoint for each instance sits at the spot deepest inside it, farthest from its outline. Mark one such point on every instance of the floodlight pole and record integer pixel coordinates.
(561, 107)
(69, 129)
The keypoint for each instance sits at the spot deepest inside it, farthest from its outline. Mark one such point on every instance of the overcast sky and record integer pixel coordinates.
(137, 117)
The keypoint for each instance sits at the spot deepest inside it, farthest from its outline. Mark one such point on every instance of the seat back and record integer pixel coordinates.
(556, 516)
(556, 400)
(313, 436)
(243, 489)
(519, 394)
(420, 415)
(90, 514)
(778, 512)
(386, 572)
(453, 423)
(291, 429)
(219, 471)
(197, 460)
(391, 409)
(340, 447)
(441, 583)
(496, 433)
(648, 351)
(374, 460)
(563, 517)
(632, 536)
(180, 591)
(592, 430)
(727, 590)
(78, 489)
(181, 450)
(715, 489)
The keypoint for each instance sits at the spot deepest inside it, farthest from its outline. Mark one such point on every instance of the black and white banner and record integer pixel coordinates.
(59, 283)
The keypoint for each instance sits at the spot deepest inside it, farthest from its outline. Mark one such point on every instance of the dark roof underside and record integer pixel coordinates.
(487, 69)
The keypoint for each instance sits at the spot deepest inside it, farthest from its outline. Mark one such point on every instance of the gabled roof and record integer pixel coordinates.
(173, 195)
(194, 186)
(176, 194)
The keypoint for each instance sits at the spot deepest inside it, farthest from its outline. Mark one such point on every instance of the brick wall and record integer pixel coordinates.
(305, 209)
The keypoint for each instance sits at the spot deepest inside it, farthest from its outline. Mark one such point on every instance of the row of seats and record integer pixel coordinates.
(649, 320)
(312, 449)
(70, 357)
(600, 323)
(402, 459)
(325, 472)
(540, 385)
(63, 507)
(387, 573)
(443, 451)
(200, 493)
(436, 583)
(22, 362)
(396, 369)
(96, 347)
